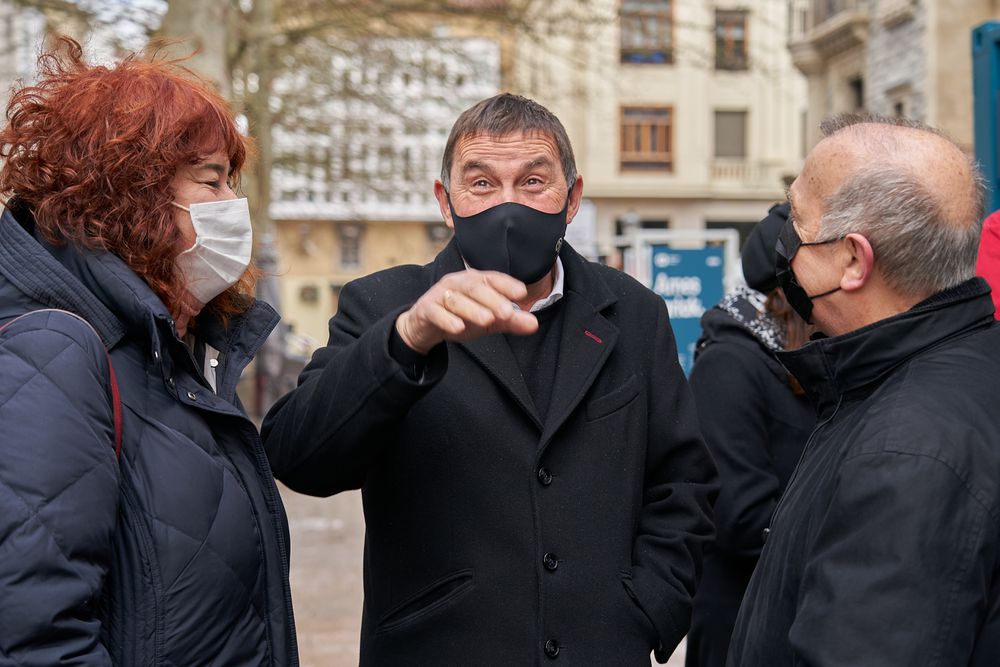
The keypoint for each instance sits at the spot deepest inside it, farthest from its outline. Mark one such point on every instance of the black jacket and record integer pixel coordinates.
(492, 538)
(177, 554)
(755, 427)
(885, 549)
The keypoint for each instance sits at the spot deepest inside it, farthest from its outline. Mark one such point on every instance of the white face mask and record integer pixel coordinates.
(222, 247)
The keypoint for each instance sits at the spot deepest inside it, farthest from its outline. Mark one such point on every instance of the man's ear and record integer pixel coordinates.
(575, 195)
(442, 196)
(859, 264)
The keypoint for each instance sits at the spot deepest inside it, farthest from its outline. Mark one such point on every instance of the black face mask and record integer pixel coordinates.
(787, 245)
(511, 238)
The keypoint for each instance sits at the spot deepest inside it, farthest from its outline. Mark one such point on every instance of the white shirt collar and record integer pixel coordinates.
(558, 284)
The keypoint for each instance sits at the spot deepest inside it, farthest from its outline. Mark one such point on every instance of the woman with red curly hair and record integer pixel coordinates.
(139, 521)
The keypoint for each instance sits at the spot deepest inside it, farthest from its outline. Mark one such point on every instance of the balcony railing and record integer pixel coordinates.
(727, 173)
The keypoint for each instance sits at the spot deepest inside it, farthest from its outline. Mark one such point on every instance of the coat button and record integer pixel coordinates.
(550, 562)
(170, 381)
(764, 533)
(192, 396)
(544, 476)
(552, 648)
(156, 355)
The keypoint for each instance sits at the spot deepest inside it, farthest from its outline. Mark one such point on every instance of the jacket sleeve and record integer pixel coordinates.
(732, 405)
(322, 436)
(675, 520)
(58, 492)
(899, 567)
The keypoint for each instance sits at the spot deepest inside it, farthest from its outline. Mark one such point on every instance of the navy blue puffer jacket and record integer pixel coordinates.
(176, 554)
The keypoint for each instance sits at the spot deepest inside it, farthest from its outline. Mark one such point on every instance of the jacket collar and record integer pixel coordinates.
(102, 289)
(39, 275)
(830, 368)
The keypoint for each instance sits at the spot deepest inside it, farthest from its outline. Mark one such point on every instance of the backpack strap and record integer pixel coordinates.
(116, 400)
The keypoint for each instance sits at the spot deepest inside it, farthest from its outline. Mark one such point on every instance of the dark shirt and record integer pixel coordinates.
(537, 354)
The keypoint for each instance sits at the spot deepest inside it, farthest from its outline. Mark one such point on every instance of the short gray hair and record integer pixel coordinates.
(503, 115)
(918, 249)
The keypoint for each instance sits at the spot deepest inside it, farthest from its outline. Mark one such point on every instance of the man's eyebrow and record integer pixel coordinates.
(538, 162)
(473, 165)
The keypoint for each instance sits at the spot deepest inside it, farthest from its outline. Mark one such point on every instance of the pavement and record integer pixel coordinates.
(327, 545)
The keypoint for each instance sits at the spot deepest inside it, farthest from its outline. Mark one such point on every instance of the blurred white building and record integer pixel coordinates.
(356, 157)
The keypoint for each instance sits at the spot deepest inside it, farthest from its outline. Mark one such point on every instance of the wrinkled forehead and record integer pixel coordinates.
(485, 139)
(490, 151)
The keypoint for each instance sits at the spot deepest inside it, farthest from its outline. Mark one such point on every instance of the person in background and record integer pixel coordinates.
(535, 486)
(756, 420)
(988, 259)
(139, 521)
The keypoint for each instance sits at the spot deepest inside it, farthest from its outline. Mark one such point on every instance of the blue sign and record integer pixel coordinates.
(986, 106)
(690, 282)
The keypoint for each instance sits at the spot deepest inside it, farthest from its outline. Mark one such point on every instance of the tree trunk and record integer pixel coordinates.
(202, 27)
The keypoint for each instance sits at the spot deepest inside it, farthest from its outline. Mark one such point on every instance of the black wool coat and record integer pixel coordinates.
(755, 426)
(494, 538)
(885, 548)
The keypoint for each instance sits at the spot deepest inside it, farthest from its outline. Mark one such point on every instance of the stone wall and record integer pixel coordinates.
(896, 59)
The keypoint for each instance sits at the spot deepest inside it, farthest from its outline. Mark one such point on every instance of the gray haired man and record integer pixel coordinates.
(535, 485)
(885, 549)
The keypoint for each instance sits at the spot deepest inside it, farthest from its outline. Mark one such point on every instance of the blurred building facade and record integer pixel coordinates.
(353, 179)
(909, 58)
(684, 114)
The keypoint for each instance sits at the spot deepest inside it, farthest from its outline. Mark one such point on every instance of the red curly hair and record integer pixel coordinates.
(91, 151)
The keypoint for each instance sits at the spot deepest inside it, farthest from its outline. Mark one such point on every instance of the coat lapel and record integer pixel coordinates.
(495, 355)
(587, 341)
(491, 352)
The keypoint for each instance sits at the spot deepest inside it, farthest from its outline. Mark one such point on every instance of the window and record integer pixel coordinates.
(646, 138)
(856, 90)
(623, 227)
(647, 31)
(731, 40)
(731, 134)
(350, 246)
(898, 99)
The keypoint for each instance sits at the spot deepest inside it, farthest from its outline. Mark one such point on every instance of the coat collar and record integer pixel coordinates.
(38, 274)
(102, 289)
(587, 340)
(829, 368)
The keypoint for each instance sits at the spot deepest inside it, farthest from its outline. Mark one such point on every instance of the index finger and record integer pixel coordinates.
(510, 287)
